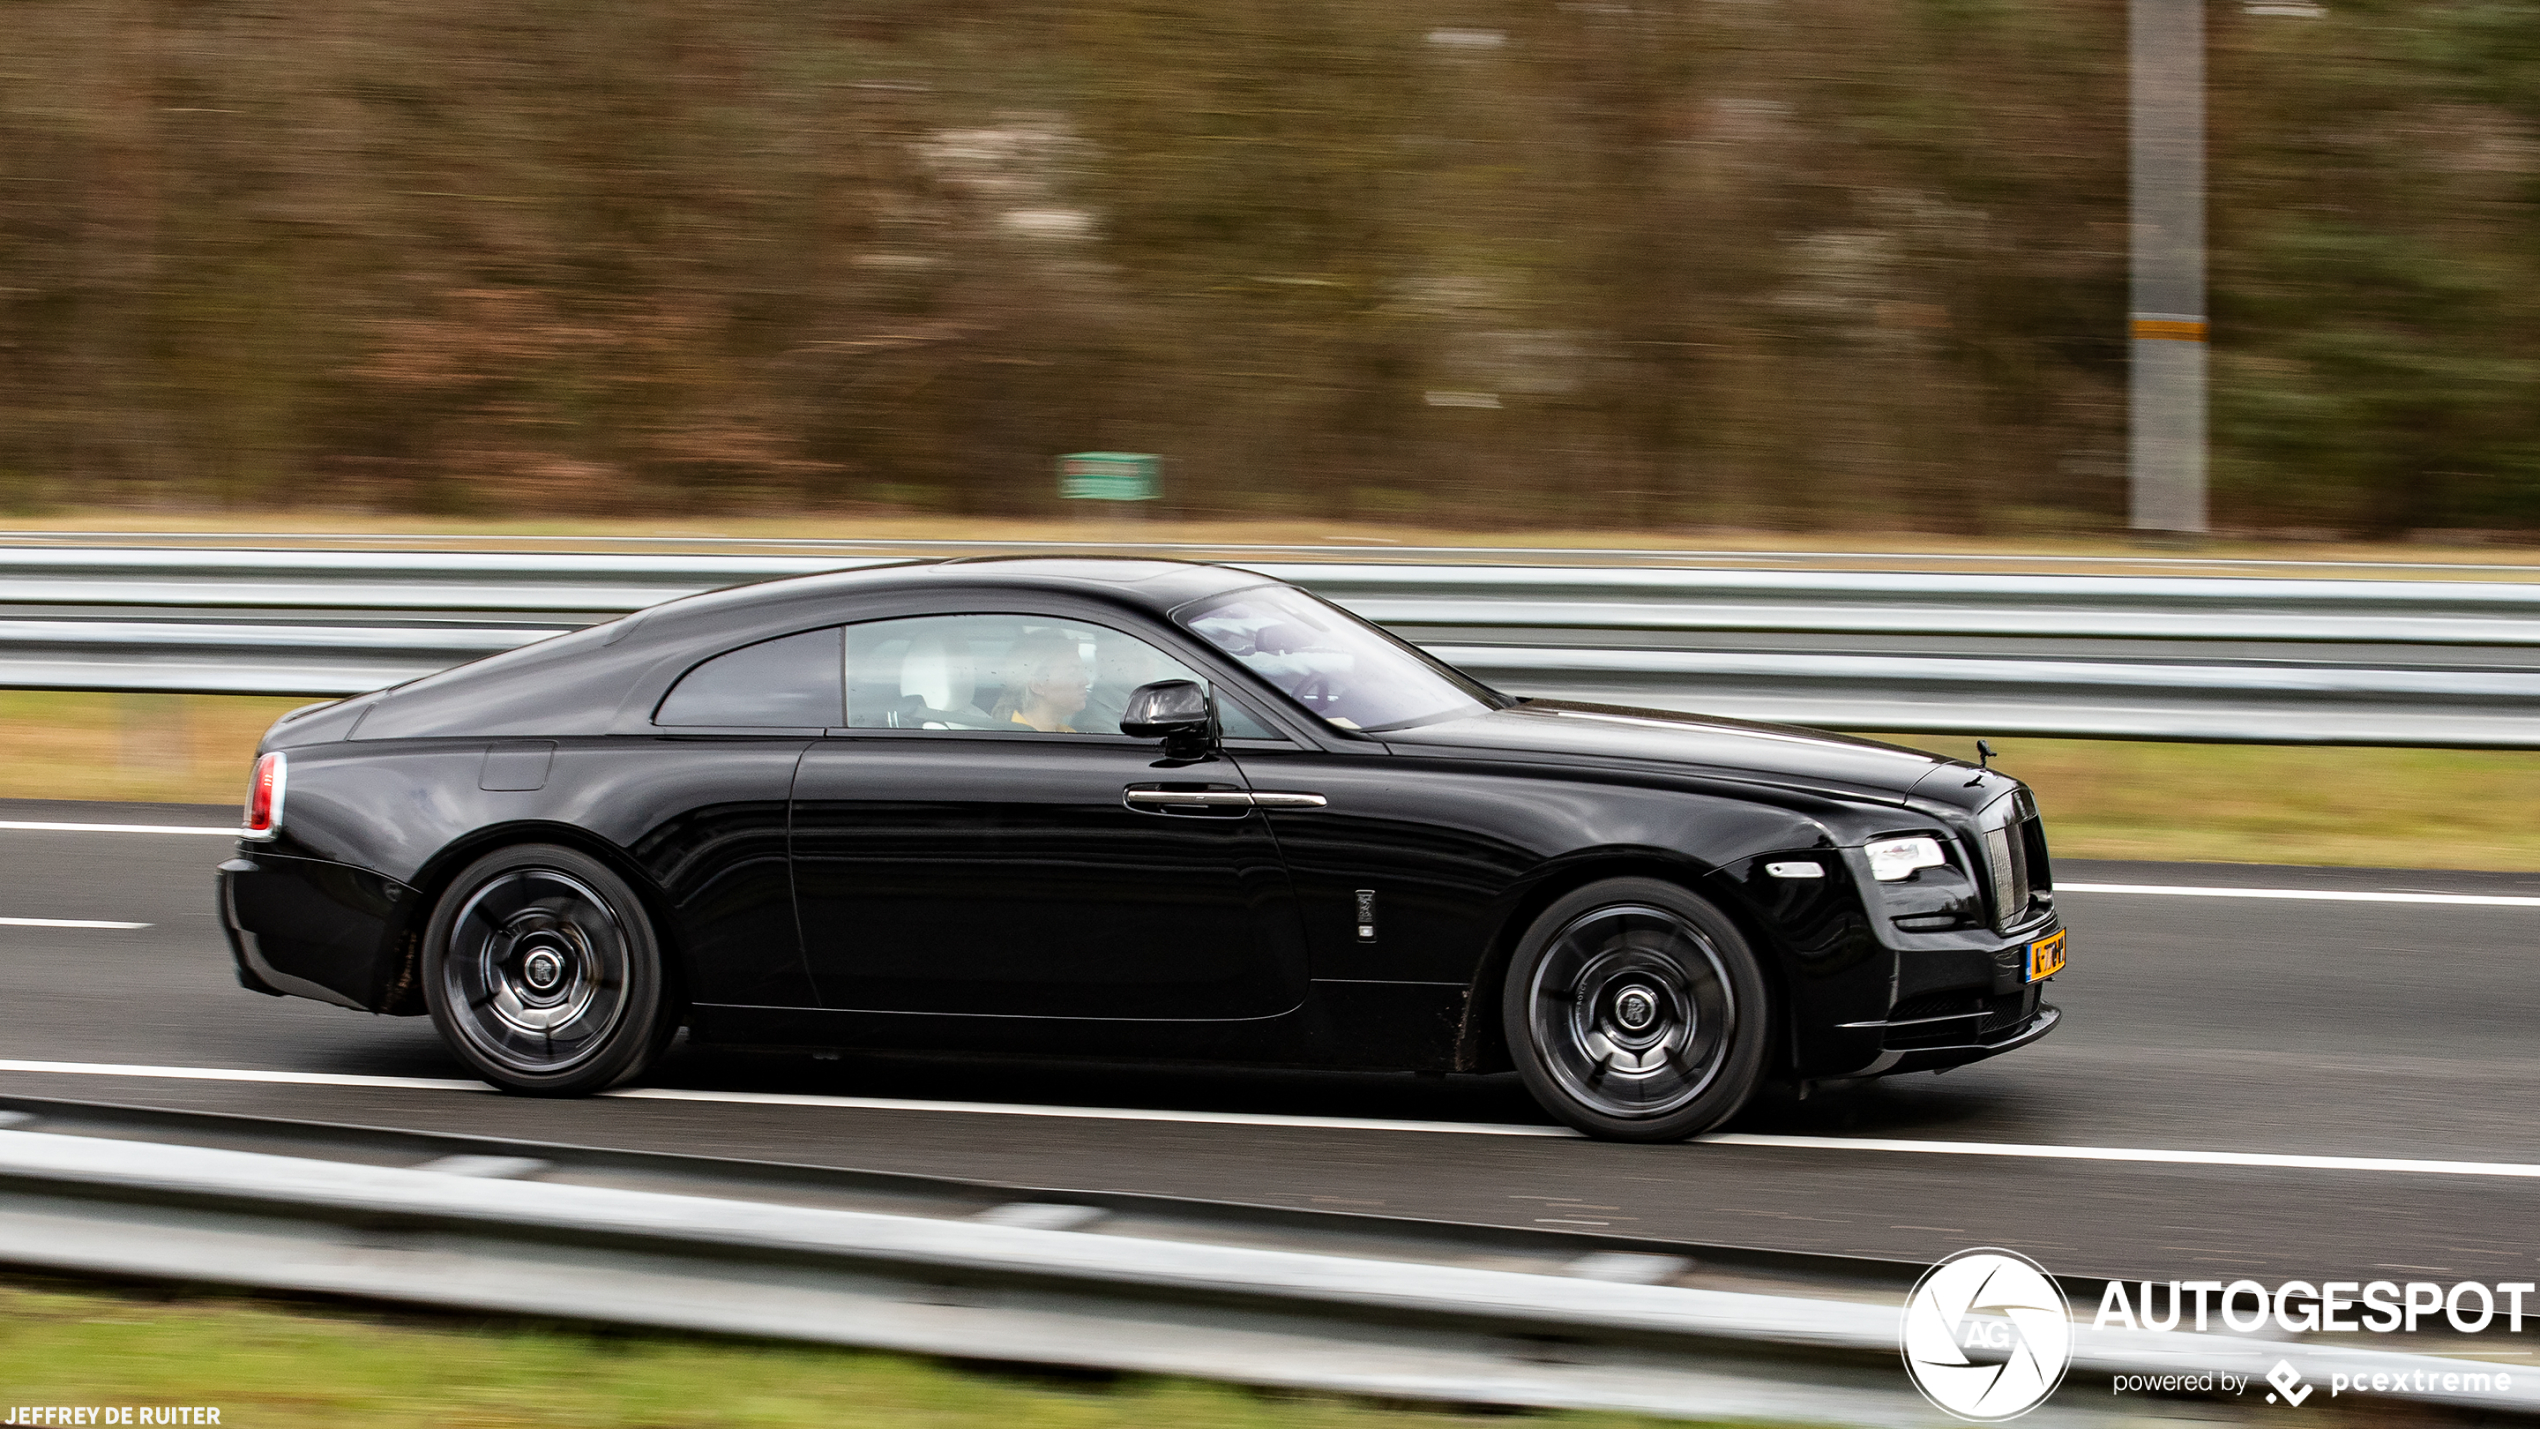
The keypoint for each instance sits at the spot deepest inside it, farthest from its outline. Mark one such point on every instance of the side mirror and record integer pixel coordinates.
(1179, 712)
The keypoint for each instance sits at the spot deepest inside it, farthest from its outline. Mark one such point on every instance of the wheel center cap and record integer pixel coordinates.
(1636, 1008)
(542, 970)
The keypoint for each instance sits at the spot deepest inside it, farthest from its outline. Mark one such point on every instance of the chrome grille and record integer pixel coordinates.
(2010, 834)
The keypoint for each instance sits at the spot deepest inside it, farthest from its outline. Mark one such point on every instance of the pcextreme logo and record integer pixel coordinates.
(1987, 1336)
(2288, 1384)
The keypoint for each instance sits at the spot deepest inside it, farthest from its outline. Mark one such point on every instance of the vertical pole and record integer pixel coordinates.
(2166, 416)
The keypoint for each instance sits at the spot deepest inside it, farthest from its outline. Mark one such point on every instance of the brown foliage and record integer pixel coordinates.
(1852, 262)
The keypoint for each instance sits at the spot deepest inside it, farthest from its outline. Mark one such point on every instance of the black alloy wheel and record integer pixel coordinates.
(543, 974)
(1636, 1012)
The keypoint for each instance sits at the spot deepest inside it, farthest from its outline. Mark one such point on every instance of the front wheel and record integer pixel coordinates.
(542, 973)
(1636, 1012)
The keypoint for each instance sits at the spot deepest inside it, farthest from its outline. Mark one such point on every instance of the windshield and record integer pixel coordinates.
(1340, 667)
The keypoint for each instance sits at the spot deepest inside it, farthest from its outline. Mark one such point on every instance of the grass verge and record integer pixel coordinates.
(2390, 808)
(274, 1366)
(2272, 803)
(185, 749)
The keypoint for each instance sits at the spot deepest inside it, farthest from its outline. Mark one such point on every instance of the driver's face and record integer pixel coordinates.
(1062, 685)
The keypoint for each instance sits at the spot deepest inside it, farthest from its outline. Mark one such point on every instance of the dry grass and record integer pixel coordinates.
(278, 1367)
(191, 749)
(2237, 803)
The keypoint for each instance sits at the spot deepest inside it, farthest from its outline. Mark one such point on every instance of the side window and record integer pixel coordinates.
(1015, 674)
(793, 681)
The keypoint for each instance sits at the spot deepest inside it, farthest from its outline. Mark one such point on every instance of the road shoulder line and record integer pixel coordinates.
(2257, 1160)
(2310, 895)
(46, 826)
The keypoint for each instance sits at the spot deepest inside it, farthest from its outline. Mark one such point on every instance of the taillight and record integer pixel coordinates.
(264, 797)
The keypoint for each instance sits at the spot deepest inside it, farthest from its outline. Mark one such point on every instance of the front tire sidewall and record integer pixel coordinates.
(646, 1022)
(1742, 1061)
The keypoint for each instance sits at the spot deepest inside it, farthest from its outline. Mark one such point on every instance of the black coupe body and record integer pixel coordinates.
(1127, 808)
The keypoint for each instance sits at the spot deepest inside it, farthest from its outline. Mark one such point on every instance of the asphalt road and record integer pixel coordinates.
(2194, 1024)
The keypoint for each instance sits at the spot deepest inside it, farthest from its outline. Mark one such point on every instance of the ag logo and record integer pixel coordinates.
(1987, 1335)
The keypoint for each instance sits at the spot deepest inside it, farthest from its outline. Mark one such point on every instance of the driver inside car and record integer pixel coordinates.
(1121, 665)
(1046, 683)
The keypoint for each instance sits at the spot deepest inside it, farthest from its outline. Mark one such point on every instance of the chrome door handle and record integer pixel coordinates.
(1219, 798)
(1186, 797)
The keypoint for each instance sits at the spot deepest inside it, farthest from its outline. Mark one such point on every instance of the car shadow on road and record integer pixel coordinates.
(1918, 1106)
(1929, 1107)
(1911, 1106)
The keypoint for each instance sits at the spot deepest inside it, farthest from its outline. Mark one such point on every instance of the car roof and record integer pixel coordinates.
(1157, 586)
(577, 681)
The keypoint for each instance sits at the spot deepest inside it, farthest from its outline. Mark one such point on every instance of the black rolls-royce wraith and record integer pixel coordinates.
(1127, 808)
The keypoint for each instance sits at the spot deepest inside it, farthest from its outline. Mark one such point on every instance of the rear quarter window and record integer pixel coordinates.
(794, 681)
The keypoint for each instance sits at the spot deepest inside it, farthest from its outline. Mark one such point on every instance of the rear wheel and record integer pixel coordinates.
(1636, 1012)
(543, 974)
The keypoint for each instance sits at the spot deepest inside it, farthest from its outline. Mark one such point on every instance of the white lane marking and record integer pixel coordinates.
(246, 1074)
(64, 923)
(227, 832)
(1087, 1113)
(2162, 889)
(2322, 895)
(2261, 1160)
(683, 1094)
(2518, 1169)
(2316, 895)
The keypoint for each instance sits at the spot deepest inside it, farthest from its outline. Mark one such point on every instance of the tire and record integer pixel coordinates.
(1636, 1012)
(542, 973)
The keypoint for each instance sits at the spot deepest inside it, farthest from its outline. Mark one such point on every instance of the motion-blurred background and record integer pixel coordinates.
(1796, 264)
(1832, 276)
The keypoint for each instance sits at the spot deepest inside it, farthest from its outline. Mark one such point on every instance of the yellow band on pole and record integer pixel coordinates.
(2172, 329)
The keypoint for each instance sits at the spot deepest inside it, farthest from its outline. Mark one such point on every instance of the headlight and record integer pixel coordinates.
(1892, 859)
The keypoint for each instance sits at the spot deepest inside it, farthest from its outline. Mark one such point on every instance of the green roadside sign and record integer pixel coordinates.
(1107, 476)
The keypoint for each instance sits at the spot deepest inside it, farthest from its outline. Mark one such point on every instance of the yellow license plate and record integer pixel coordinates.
(2046, 956)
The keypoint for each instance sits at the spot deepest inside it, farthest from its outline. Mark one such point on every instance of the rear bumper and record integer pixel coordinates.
(305, 927)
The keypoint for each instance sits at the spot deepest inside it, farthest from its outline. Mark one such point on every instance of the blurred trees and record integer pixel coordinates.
(1702, 262)
(2377, 266)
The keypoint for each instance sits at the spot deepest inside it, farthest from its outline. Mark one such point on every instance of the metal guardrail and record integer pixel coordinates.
(2401, 662)
(1424, 1321)
(1757, 557)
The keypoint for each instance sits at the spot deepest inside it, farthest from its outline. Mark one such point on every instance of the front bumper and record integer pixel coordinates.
(1955, 1005)
(2040, 1019)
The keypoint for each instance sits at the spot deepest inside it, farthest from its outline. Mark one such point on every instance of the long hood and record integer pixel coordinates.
(1772, 753)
